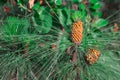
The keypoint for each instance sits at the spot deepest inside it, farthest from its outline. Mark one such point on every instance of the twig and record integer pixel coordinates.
(21, 6)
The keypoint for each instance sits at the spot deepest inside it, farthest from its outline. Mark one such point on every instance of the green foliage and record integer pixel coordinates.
(76, 1)
(43, 19)
(82, 6)
(94, 8)
(38, 46)
(58, 2)
(100, 23)
(36, 6)
(12, 26)
(93, 1)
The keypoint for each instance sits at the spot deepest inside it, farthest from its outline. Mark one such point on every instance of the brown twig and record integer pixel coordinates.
(74, 57)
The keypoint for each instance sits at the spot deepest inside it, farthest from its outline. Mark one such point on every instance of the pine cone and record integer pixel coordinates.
(76, 32)
(92, 56)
